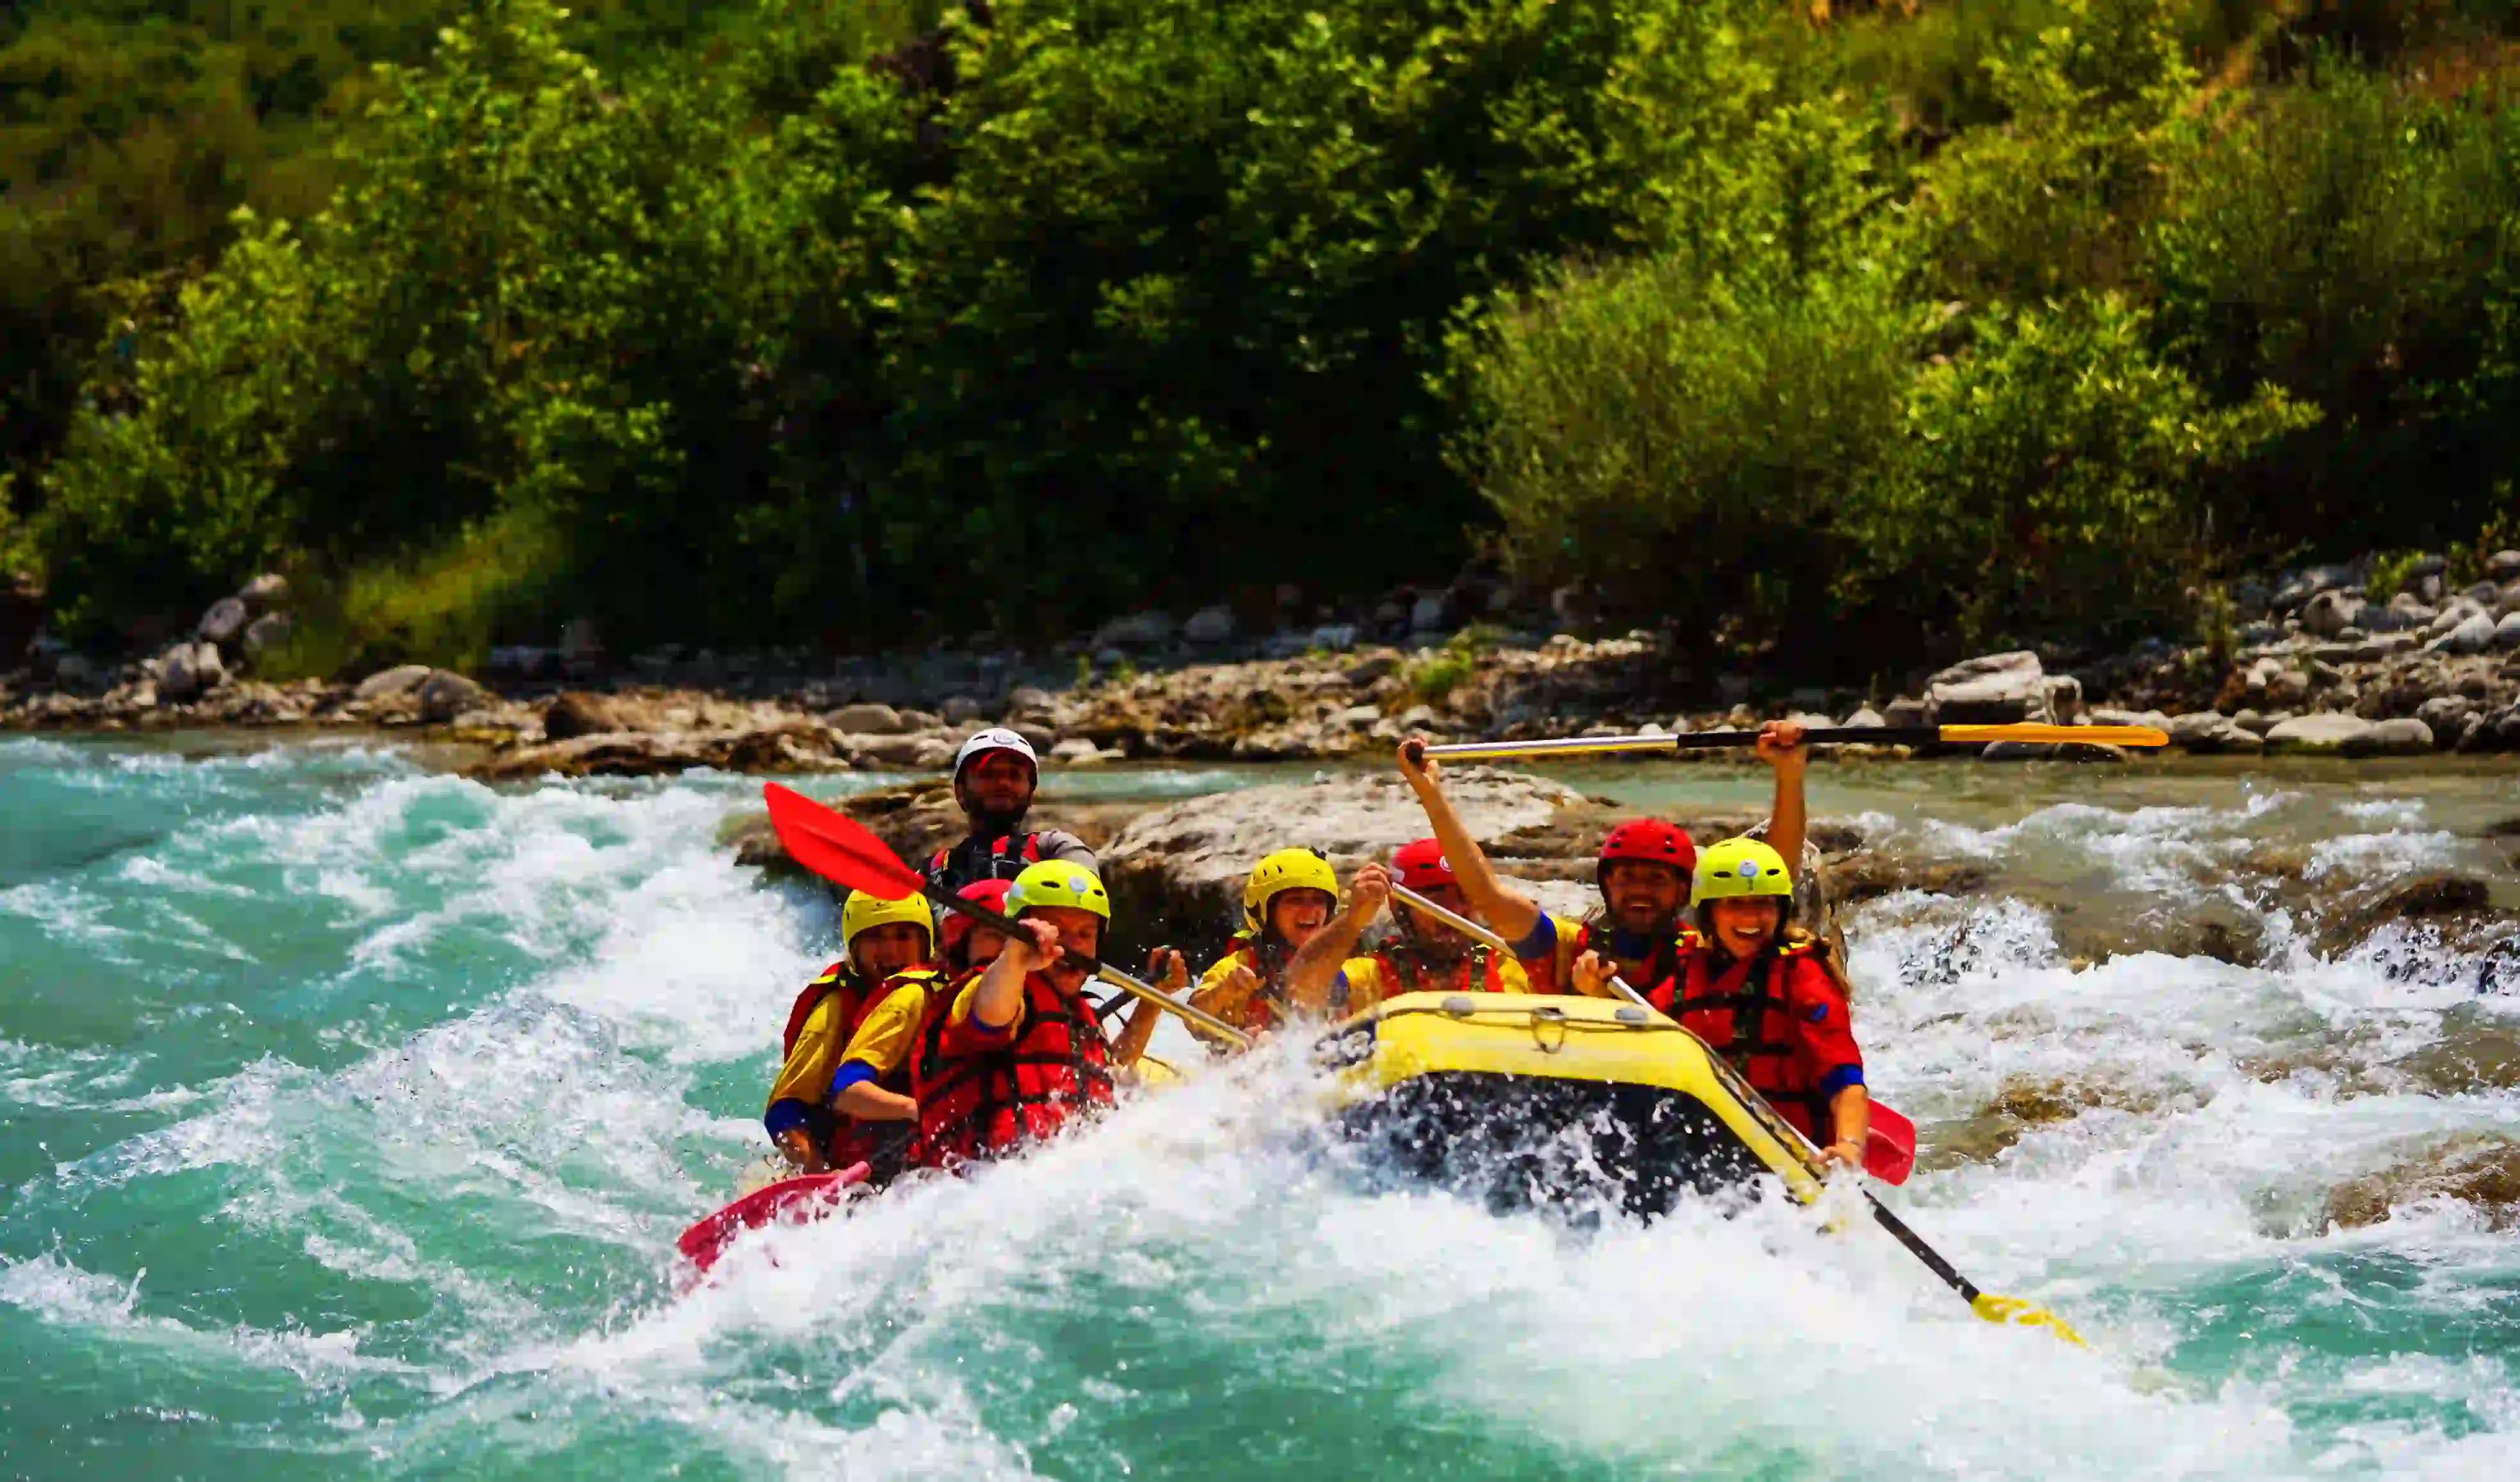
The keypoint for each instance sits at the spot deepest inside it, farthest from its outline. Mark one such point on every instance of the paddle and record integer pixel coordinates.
(801, 1197)
(841, 850)
(1890, 1145)
(1876, 736)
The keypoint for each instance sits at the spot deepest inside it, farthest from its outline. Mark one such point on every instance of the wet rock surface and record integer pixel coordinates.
(2481, 1172)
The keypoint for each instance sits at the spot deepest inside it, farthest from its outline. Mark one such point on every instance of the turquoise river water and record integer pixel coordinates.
(348, 1111)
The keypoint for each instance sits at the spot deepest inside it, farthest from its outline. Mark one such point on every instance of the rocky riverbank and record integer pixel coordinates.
(2319, 666)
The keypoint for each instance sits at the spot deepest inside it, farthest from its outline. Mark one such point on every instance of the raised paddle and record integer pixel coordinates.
(1824, 736)
(1889, 1143)
(841, 850)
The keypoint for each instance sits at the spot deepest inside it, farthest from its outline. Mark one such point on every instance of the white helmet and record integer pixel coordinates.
(995, 739)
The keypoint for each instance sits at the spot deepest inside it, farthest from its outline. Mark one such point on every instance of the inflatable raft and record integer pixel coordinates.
(1555, 1100)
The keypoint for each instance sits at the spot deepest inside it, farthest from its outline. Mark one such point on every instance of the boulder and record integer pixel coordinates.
(392, 684)
(1137, 629)
(2330, 612)
(2473, 635)
(265, 633)
(224, 623)
(2504, 565)
(2480, 1172)
(2446, 714)
(2064, 699)
(1210, 626)
(1994, 689)
(1075, 751)
(2318, 735)
(916, 753)
(573, 713)
(266, 593)
(2288, 689)
(1030, 700)
(1334, 638)
(2507, 633)
(2403, 736)
(1865, 718)
(867, 720)
(2207, 732)
(961, 710)
(2309, 584)
(1431, 613)
(445, 695)
(1906, 711)
(188, 670)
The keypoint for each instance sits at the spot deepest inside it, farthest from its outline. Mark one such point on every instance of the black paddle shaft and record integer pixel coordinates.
(1917, 1247)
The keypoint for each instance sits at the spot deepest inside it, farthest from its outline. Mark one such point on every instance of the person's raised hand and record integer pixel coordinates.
(1169, 968)
(1418, 767)
(1780, 744)
(1368, 892)
(1593, 972)
(1843, 1155)
(1038, 948)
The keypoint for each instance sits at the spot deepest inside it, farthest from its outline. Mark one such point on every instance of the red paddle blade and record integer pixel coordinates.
(838, 848)
(1890, 1150)
(808, 1197)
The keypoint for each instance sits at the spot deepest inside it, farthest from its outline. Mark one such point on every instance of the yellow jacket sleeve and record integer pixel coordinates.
(886, 1037)
(807, 1075)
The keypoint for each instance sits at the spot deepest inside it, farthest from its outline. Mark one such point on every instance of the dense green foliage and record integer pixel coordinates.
(848, 320)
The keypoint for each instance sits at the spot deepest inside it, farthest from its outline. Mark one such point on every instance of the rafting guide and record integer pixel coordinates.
(995, 776)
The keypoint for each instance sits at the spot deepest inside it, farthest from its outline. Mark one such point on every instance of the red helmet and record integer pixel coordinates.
(957, 927)
(1649, 840)
(1421, 866)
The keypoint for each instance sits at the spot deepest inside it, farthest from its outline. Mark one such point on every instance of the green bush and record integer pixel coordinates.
(2358, 246)
(2051, 482)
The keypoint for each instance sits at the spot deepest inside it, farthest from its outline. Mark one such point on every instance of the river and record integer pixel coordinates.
(351, 1109)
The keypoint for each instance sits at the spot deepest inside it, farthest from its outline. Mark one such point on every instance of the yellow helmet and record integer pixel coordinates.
(1057, 882)
(864, 912)
(1739, 866)
(1286, 869)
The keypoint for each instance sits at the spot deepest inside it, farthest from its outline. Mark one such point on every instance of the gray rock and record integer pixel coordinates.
(2309, 584)
(1076, 752)
(924, 720)
(2451, 616)
(2329, 613)
(1210, 626)
(2208, 732)
(1994, 688)
(445, 695)
(187, 670)
(1390, 614)
(2507, 633)
(2318, 734)
(1029, 698)
(867, 720)
(2504, 565)
(2475, 635)
(1137, 630)
(265, 633)
(1373, 667)
(1906, 711)
(2446, 712)
(961, 710)
(2404, 736)
(1865, 718)
(224, 623)
(573, 713)
(1334, 638)
(2064, 699)
(265, 593)
(1431, 613)
(527, 661)
(392, 684)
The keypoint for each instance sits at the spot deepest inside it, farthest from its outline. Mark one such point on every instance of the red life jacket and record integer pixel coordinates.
(884, 1143)
(836, 978)
(1003, 860)
(972, 1108)
(1744, 1014)
(1660, 964)
(1263, 1012)
(1480, 969)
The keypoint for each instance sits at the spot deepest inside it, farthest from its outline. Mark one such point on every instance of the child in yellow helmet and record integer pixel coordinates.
(883, 941)
(1290, 896)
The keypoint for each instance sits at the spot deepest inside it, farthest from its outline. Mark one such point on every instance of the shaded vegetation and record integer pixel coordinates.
(850, 321)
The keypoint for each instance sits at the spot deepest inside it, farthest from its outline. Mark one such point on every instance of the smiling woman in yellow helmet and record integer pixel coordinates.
(1765, 995)
(1290, 896)
(884, 941)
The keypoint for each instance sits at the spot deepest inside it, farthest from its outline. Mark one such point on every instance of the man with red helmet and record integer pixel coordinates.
(1419, 956)
(1642, 872)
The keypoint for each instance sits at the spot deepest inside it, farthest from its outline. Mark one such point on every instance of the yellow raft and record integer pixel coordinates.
(1538, 1099)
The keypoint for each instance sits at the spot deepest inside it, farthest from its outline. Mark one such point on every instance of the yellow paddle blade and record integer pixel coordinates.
(2012, 1312)
(2088, 736)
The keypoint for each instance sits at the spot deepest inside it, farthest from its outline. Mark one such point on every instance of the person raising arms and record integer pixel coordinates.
(1643, 872)
(1290, 896)
(1421, 955)
(1765, 995)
